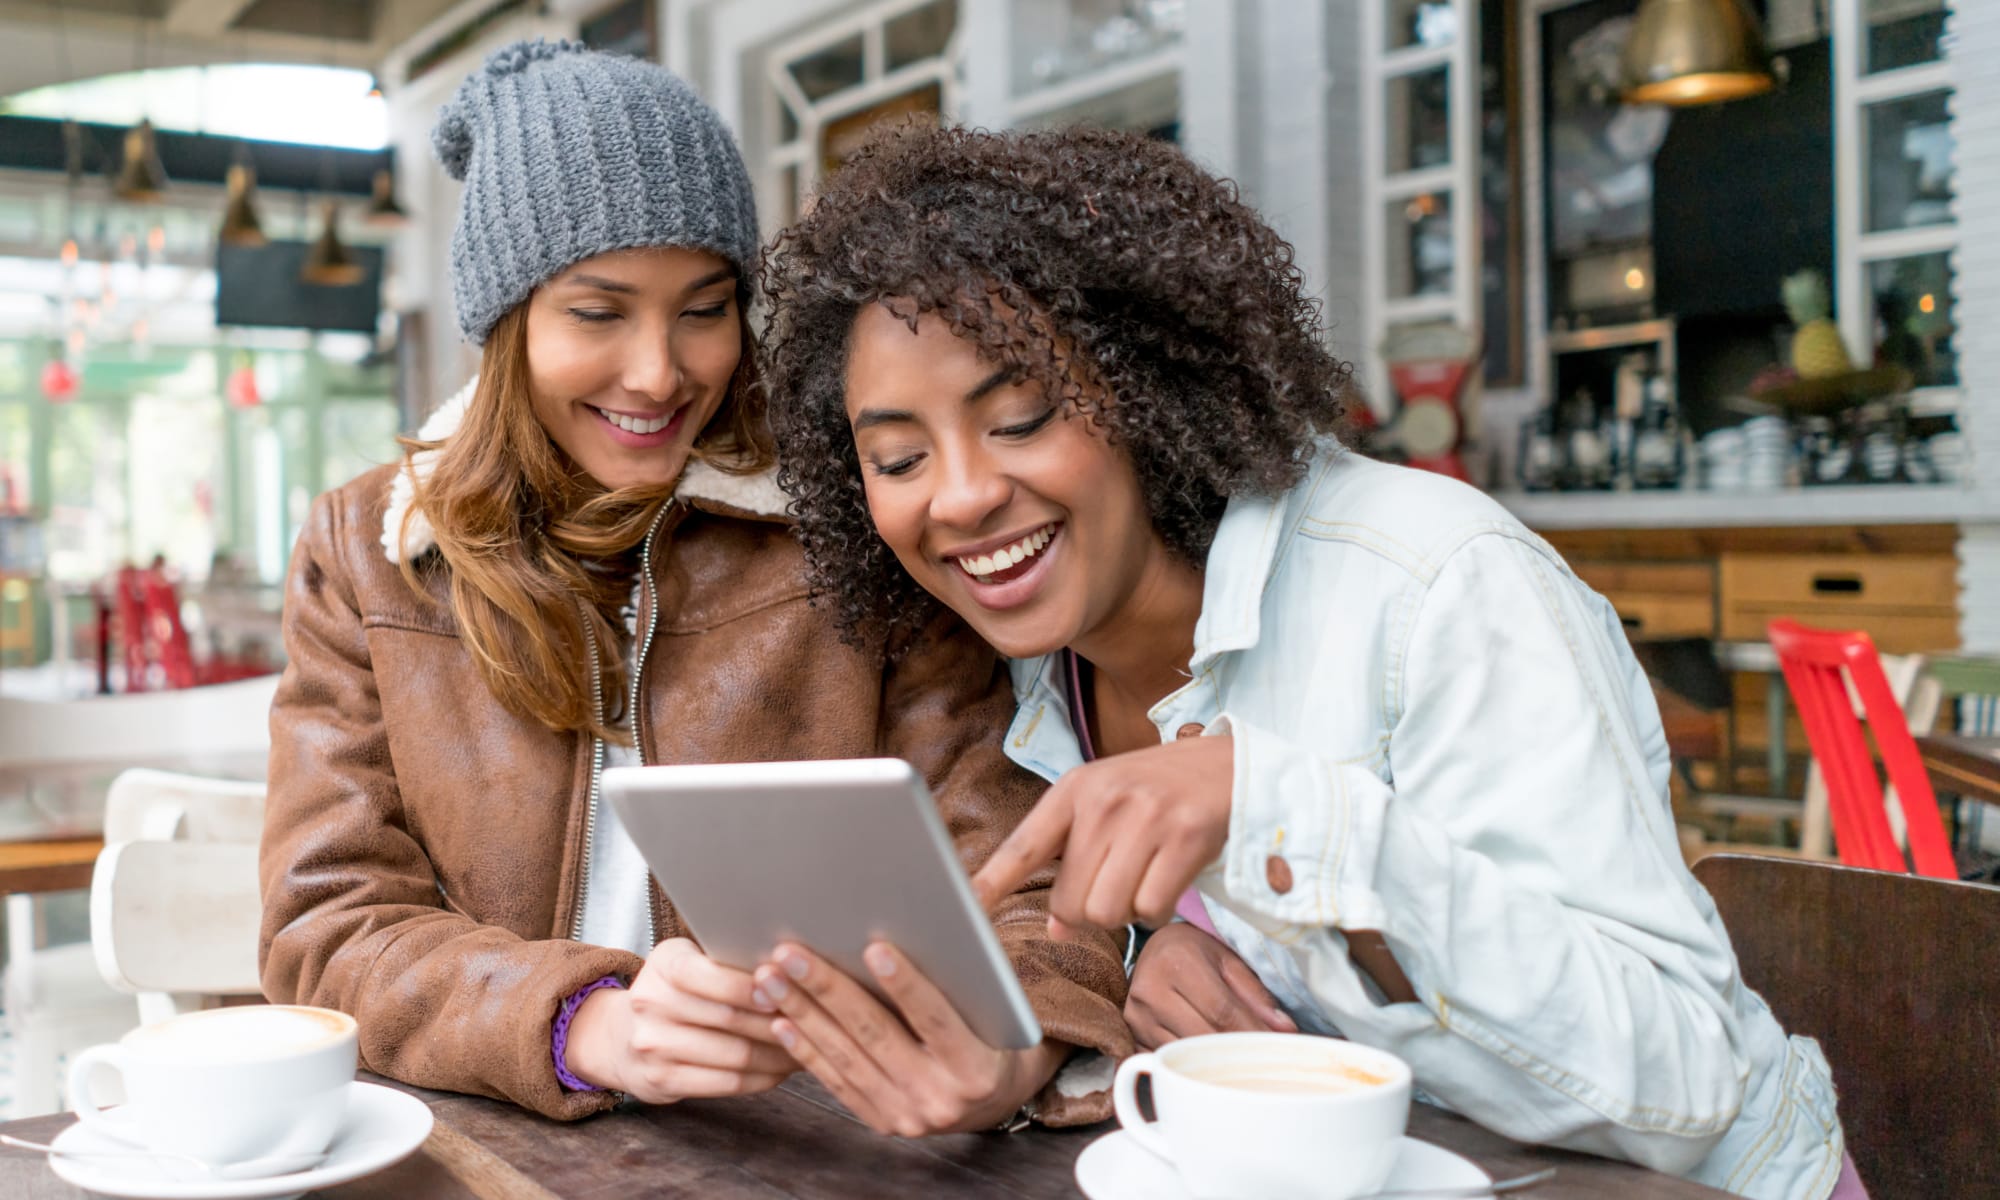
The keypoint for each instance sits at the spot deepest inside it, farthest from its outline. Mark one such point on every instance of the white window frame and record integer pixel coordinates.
(877, 84)
(1458, 179)
(1856, 249)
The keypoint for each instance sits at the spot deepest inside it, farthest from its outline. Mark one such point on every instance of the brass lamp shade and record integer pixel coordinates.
(383, 209)
(328, 264)
(1688, 52)
(141, 179)
(240, 226)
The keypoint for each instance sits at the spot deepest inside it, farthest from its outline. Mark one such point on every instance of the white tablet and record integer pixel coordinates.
(832, 855)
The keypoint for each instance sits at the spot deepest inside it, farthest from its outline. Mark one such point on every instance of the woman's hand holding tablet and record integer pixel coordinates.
(910, 1070)
(905, 1005)
(685, 1028)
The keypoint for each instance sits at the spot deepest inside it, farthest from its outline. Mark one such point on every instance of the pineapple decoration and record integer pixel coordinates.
(1817, 351)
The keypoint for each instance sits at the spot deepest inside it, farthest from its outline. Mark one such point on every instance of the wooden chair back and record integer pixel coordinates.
(1894, 975)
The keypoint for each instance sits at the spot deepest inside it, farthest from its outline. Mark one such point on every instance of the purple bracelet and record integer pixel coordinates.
(559, 1040)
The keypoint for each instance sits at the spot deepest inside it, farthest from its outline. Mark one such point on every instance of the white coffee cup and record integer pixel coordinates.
(225, 1085)
(1270, 1116)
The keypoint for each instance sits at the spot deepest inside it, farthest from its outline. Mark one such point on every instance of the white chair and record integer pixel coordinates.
(56, 999)
(174, 902)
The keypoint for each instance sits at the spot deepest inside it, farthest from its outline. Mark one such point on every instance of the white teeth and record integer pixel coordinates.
(634, 424)
(1008, 556)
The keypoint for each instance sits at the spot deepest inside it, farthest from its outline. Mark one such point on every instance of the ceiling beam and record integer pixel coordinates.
(202, 18)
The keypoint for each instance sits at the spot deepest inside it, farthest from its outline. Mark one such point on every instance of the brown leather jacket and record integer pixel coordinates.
(421, 855)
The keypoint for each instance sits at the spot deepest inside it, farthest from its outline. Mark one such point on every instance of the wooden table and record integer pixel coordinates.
(47, 866)
(1963, 765)
(796, 1142)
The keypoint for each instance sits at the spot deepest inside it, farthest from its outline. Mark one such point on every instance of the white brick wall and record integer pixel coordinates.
(1973, 49)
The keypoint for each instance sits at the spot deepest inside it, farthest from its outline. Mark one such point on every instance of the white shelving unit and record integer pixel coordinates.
(1885, 504)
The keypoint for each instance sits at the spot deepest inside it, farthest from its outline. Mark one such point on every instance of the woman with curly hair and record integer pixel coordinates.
(583, 561)
(1067, 385)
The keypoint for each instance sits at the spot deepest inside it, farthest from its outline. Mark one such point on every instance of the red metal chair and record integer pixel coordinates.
(1819, 664)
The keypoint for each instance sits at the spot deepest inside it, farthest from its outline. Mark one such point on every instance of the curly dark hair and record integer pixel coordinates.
(1194, 346)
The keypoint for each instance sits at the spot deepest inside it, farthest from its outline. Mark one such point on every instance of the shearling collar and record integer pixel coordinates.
(746, 495)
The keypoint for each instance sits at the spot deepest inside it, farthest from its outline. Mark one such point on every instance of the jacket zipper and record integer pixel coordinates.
(596, 773)
(649, 609)
(593, 798)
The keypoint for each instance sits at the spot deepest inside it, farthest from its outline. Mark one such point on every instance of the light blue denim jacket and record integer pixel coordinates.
(1445, 736)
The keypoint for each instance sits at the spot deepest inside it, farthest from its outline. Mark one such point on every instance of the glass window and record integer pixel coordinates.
(357, 435)
(1915, 325)
(1417, 121)
(1421, 23)
(1902, 33)
(86, 535)
(178, 470)
(17, 460)
(1057, 40)
(1420, 246)
(1909, 162)
(272, 102)
(834, 69)
(919, 34)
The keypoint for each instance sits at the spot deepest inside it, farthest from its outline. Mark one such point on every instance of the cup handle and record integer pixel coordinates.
(84, 1100)
(1125, 1100)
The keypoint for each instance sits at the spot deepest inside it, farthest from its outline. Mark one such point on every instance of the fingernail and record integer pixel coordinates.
(881, 961)
(1283, 1020)
(786, 1037)
(1057, 930)
(794, 963)
(774, 987)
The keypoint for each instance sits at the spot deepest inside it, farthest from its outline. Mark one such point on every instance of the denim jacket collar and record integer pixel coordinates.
(1239, 565)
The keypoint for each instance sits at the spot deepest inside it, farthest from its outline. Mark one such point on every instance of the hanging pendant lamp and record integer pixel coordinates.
(142, 179)
(383, 209)
(328, 263)
(1684, 53)
(240, 226)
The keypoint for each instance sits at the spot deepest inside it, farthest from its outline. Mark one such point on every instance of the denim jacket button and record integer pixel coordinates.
(1189, 730)
(1278, 873)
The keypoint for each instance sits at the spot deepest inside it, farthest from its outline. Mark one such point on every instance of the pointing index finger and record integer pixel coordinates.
(1038, 839)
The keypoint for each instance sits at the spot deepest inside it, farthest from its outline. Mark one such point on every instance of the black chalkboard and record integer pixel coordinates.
(260, 285)
(1743, 195)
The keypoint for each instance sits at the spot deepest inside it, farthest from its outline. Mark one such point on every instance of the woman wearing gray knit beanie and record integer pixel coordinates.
(583, 560)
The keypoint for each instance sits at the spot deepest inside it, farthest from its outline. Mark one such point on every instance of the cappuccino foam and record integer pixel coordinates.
(1330, 1078)
(244, 1034)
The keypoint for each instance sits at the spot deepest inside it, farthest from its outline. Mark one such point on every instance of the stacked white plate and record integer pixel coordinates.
(1947, 452)
(1767, 453)
(1722, 455)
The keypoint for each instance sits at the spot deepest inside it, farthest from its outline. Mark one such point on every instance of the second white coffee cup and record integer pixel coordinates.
(1270, 1116)
(225, 1085)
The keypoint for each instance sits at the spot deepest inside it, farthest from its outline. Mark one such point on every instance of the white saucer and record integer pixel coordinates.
(1117, 1167)
(383, 1127)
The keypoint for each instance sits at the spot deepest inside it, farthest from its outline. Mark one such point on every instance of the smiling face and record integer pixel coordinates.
(1016, 513)
(629, 355)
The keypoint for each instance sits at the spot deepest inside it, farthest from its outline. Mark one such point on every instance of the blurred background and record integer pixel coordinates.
(1695, 287)
(1700, 289)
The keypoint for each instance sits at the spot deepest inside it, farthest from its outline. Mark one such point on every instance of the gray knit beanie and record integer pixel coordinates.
(566, 153)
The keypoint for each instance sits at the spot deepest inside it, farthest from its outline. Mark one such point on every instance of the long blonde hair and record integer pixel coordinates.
(533, 546)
